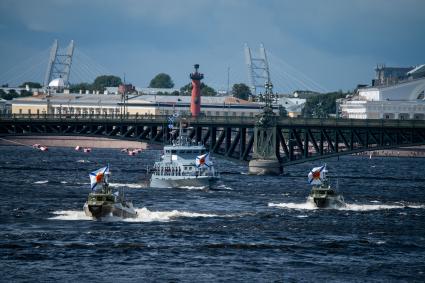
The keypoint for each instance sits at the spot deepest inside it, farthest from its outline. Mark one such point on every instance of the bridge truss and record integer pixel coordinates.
(297, 140)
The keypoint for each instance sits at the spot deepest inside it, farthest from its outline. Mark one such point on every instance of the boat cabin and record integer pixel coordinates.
(323, 192)
(101, 197)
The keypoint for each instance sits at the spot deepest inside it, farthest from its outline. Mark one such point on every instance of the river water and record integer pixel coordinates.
(250, 228)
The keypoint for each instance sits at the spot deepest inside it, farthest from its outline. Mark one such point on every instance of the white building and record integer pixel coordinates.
(294, 106)
(4, 106)
(402, 100)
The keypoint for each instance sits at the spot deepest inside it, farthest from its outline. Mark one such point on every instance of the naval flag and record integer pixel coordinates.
(96, 177)
(203, 160)
(316, 175)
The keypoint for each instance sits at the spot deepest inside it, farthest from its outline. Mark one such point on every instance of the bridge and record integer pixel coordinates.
(296, 140)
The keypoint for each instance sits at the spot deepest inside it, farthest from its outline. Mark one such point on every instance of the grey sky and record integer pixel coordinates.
(334, 43)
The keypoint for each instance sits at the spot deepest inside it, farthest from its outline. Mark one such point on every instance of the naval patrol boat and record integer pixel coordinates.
(184, 164)
(102, 202)
(322, 195)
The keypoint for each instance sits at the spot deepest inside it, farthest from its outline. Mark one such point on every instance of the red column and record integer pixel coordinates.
(195, 103)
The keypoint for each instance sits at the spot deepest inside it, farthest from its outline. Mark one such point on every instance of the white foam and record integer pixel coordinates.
(143, 215)
(64, 182)
(223, 187)
(368, 207)
(352, 207)
(291, 205)
(83, 161)
(70, 215)
(302, 216)
(41, 182)
(131, 186)
(193, 188)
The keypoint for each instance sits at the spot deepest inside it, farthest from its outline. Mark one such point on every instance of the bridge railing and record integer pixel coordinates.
(128, 118)
(357, 123)
(219, 120)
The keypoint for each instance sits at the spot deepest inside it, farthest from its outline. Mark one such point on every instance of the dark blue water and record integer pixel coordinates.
(251, 229)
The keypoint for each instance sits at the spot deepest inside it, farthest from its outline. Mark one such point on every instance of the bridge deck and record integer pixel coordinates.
(297, 139)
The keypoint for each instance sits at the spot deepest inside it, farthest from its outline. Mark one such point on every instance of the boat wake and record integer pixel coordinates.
(351, 207)
(143, 215)
(193, 188)
(221, 188)
(291, 205)
(366, 207)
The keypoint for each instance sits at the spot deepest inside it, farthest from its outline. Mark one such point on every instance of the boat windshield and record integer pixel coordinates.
(324, 192)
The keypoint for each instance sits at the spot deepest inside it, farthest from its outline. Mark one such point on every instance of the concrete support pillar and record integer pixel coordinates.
(264, 161)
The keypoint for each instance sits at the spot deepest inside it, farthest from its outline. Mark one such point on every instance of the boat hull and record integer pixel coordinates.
(182, 182)
(327, 202)
(99, 211)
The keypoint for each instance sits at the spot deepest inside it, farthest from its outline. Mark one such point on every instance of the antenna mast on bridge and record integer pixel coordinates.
(59, 65)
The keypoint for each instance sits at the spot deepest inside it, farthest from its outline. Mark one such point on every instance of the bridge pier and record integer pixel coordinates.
(264, 159)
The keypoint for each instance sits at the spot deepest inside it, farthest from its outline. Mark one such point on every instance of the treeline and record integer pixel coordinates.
(13, 94)
(322, 106)
(99, 84)
(161, 80)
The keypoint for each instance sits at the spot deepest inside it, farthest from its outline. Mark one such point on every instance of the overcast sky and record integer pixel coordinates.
(327, 44)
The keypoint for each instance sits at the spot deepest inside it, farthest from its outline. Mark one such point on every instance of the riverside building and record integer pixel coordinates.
(112, 105)
(396, 93)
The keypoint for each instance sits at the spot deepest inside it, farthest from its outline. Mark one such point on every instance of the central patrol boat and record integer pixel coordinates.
(184, 164)
(322, 195)
(102, 202)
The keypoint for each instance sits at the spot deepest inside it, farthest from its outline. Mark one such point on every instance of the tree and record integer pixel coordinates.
(25, 93)
(205, 90)
(208, 91)
(10, 95)
(161, 81)
(241, 91)
(31, 85)
(322, 105)
(101, 82)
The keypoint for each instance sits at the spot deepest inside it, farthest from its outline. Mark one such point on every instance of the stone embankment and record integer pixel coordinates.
(418, 151)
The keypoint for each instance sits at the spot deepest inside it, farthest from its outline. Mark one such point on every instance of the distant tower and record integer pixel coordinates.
(59, 65)
(195, 103)
(258, 69)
